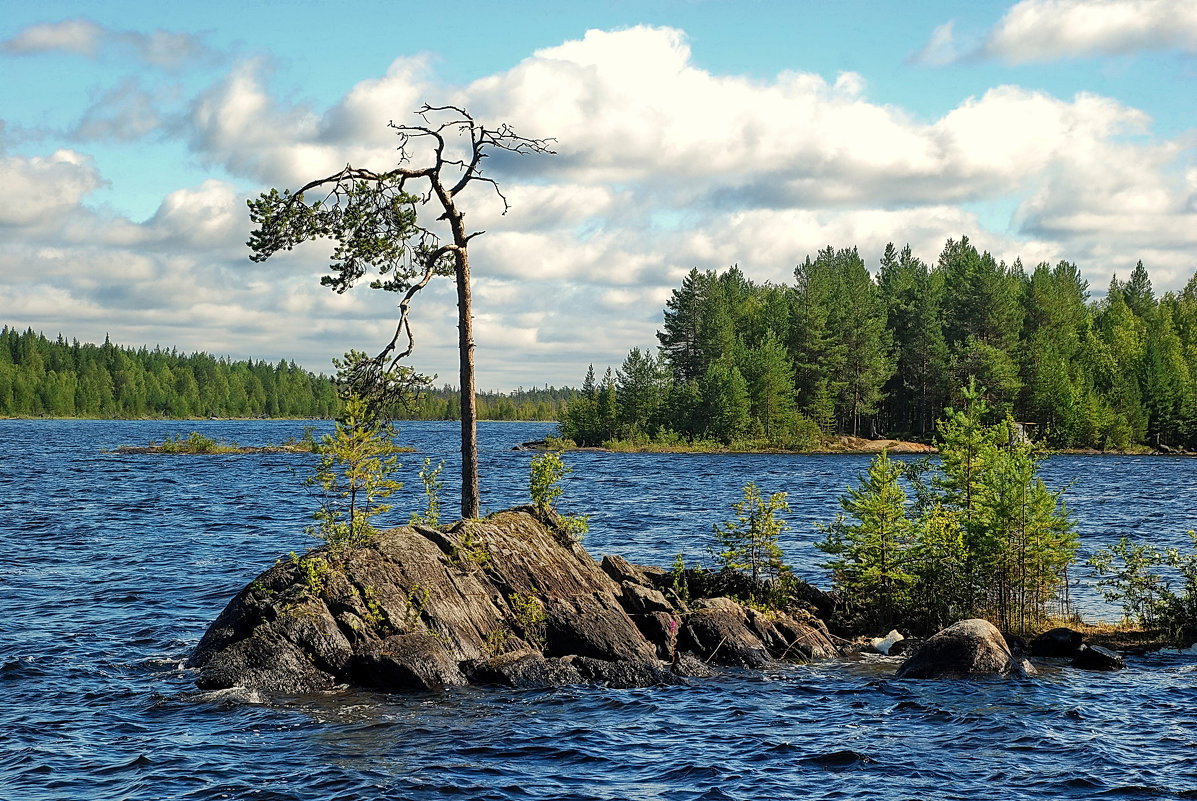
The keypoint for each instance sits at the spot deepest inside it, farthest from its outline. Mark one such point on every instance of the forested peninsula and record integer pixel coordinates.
(40, 377)
(840, 352)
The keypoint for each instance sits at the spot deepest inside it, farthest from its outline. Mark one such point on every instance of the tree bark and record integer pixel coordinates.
(465, 344)
(469, 410)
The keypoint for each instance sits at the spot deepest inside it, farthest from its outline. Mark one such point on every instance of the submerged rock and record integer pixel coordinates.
(969, 648)
(1094, 657)
(508, 600)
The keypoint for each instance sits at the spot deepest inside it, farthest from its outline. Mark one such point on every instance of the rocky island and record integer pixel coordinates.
(513, 600)
(510, 599)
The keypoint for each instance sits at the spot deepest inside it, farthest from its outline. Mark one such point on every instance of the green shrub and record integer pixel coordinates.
(544, 485)
(307, 442)
(431, 479)
(750, 542)
(495, 643)
(375, 617)
(805, 434)
(678, 579)
(530, 617)
(354, 478)
(313, 572)
(547, 470)
(417, 599)
(1128, 576)
(471, 553)
(559, 443)
(195, 442)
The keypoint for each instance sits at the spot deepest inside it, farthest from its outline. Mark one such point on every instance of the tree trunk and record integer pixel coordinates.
(469, 409)
(465, 345)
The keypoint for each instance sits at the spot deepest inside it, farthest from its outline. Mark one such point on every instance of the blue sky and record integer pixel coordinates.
(690, 134)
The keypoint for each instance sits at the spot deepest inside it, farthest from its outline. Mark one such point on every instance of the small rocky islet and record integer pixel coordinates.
(513, 600)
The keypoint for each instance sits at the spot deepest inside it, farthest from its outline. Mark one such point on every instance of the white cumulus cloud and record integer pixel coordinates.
(42, 188)
(1045, 30)
(662, 166)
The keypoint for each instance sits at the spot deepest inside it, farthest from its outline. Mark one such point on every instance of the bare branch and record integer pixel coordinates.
(499, 192)
(481, 140)
(430, 265)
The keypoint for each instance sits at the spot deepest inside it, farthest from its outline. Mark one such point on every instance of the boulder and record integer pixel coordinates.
(717, 631)
(267, 663)
(295, 646)
(968, 648)
(1059, 642)
(640, 600)
(1016, 644)
(596, 626)
(1095, 657)
(806, 637)
(657, 577)
(621, 570)
(689, 666)
(660, 629)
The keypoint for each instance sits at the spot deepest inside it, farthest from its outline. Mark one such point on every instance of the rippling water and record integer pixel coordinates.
(112, 566)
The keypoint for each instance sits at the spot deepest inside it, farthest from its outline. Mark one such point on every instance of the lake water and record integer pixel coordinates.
(112, 566)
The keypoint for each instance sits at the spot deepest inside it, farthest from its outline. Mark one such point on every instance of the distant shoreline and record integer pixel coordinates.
(895, 447)
(862, 448)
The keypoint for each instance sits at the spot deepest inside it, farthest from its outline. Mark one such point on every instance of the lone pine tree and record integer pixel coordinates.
(380, 226)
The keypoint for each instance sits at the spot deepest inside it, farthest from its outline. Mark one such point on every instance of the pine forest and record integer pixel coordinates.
(40, 377)
(840, 351)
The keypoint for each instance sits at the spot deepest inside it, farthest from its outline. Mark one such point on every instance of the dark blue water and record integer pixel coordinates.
(112, 566)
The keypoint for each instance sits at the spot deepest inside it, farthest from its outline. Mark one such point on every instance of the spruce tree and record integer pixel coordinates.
(725, 404)
(639, 387)
(859, 324)
(679, 336)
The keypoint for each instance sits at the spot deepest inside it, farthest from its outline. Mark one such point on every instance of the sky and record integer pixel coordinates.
(688, 134)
